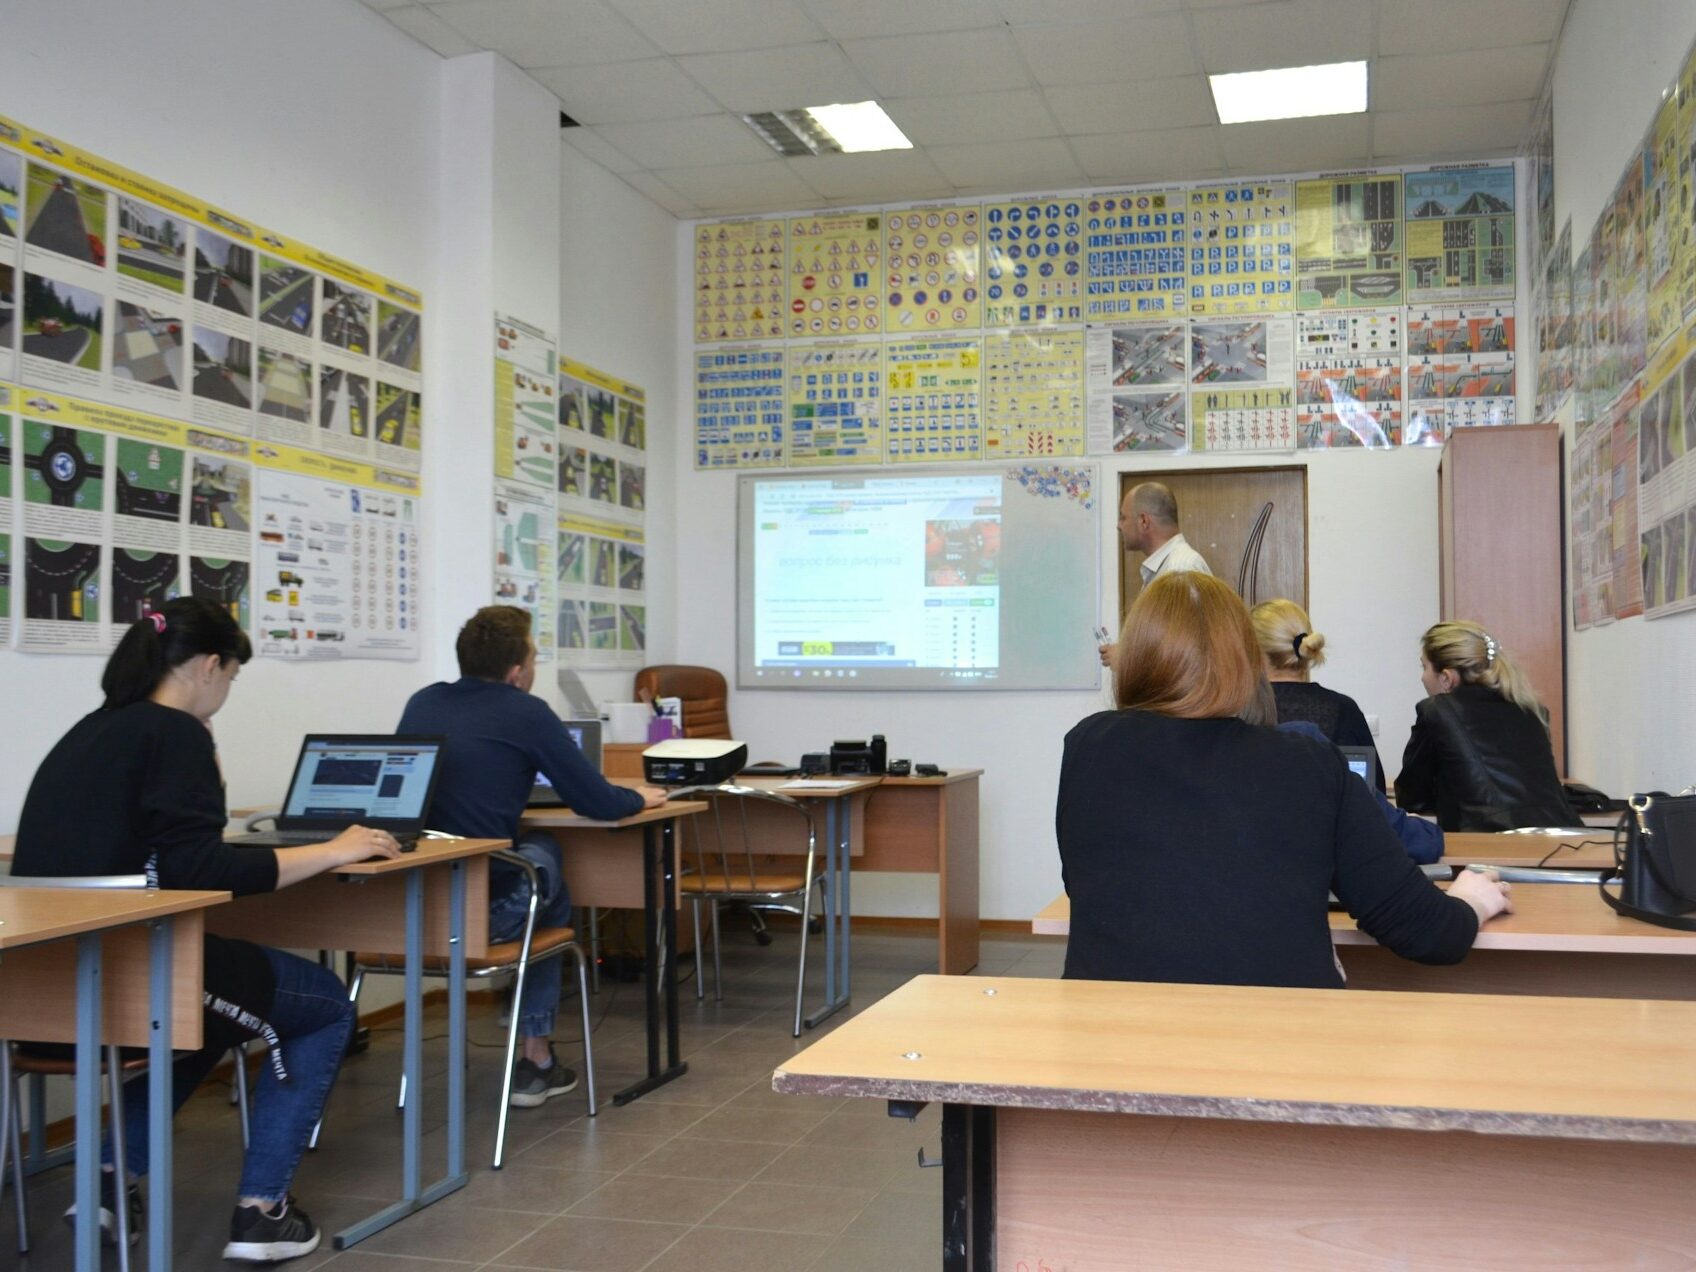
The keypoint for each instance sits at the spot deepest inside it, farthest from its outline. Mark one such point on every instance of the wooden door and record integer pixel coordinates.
(1217, 512)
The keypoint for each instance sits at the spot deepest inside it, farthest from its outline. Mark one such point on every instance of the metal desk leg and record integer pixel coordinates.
(659, 928)
(968, 1188)
(160, 1165)
(456, 1027)
(838, 844)
(87, 1241)
(845, 882)
(830, 906)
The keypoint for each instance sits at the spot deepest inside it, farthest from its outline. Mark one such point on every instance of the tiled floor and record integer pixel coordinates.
(711, 1172)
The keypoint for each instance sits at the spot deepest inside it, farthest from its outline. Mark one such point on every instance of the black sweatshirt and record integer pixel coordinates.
(1201, 851)
(1338, 716)
(140, 783)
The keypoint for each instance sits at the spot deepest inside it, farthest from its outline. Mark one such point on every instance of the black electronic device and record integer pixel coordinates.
(899, 768)
(814, 763)
(929, 770)
(880, 754)
(853, 759)
(694, 761)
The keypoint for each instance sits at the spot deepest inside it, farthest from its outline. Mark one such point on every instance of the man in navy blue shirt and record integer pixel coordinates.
(499, 736)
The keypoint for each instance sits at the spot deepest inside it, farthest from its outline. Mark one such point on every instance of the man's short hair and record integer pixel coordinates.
(1157, 500)
(493, 641)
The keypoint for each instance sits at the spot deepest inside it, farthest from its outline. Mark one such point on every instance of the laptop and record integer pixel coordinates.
(1362, 762)
(385, 781)
(586, 736)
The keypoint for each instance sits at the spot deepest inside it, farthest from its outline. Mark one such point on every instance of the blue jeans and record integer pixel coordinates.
(313, 1017)
(509, 904)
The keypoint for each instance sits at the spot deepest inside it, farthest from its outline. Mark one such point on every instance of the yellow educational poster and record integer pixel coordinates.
(835, 403)
(1034, 262)
(1460, 233)
(1349, 240)
(1684, 246)
(1033, 393)
(1135, 255)
(1664, 218)
(1349, 379)
(739, 411)
(935, 272)
(1261, 418)
(739, 281)
(835, 273)
(1242, 248)
(932, 407)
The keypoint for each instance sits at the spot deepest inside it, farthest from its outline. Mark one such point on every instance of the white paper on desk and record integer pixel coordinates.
(816, 784)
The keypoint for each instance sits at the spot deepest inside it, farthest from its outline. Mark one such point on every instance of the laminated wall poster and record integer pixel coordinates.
(173, 368)
(1666, 494)
(1630, 268)
(739, 412)
(1667, 214)
(526, 469)
(835, 403)
(1460, 370)
(1591, 546)
(1542, 156)
(1583, 339)
(835, 275)
(934, 400)
(1033, 393)
(1460, 234)
(1349, 379)
(1033, 263)
(935, 274)
(1242, 248)
(1555, 328)
(1684, 244)
(1241, 376)
(1138, 381)
(1136, 262)
(1349, 241)
(740, 281)
(1623, 476)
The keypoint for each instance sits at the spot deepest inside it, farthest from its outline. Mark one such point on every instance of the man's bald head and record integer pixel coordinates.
(1158, 501)
(1148, 516)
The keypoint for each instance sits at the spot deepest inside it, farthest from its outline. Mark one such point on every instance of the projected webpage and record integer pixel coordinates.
(858, 575)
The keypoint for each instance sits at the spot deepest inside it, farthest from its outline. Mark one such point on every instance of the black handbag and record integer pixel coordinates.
(1657, 867)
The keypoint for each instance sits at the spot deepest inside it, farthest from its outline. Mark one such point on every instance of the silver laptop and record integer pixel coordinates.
(586, 736)
(385, 781)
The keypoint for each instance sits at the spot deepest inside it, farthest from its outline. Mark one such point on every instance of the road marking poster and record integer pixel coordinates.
(1630, 269)
(524, 558)
(933, 405)
(525, 417)
(835, 404)
(739, 409)
(1349, 379)
(1237, 419)
(739, 281)
(1460, 370)
(1136, 263)
(1349, 240)
(601, 568)
(835, 275)
(1242, 248)
(1555, 328)
(1138, 382)
(1242, 351)
(1033, 393)
(1667, 482)
(1669, 216)
(1460, 234)
(935, 269)
(1034, 262)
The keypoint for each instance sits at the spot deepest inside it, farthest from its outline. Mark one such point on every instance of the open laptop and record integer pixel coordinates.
(1362, 761)
(385, 781)
(586, 735)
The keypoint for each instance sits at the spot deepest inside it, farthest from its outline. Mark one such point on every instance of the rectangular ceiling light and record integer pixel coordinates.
(828, 130)
(1291, 92)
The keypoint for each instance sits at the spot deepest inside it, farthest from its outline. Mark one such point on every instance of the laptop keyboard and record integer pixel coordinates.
(294, 839)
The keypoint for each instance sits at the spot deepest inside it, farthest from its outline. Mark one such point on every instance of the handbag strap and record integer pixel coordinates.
(1633, 912)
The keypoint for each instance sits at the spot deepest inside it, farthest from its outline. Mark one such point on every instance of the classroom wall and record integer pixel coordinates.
(1630, 685)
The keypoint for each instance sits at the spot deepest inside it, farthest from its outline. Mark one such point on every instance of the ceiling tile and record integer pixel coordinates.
(1132, 106)
(546, 32)
(624, 92)
(741, 185)
(1297, 145)
(1011, 166)
(647, 184)
(1107, 53)
(1286, 33)
(696, 142)
(1175, 154)
(933, 65)
(873, 178)
(425, 26)
(1467, 78)
(858, 19)
(1451, 132)
(1448, 26)
(1034, 12)
(599, 149)
(718, 26)
(778, 79)
(1014, 115)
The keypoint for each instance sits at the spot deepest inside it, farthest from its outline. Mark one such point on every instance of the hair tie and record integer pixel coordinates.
(158, 621)
(1296, 643)
(1489, 649)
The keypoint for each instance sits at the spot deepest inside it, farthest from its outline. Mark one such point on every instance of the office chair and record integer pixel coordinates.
(706, 709)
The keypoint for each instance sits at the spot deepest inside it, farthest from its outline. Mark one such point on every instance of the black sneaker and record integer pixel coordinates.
(109, 1210)
(261, 1236)
(533, 1086)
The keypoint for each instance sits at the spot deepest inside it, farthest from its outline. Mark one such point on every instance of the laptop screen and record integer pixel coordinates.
(1361, 761)
(354, 779)
(585, 735)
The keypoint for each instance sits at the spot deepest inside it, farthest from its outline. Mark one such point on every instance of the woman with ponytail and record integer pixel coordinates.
(1292, 649)
(1479, 755)
(134, 789)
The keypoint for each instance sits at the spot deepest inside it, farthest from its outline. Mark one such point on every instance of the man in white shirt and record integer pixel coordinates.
(1148, 523)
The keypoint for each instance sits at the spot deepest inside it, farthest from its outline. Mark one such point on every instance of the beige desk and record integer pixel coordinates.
(1593, 851)
(1110, 1127)
(99, 967)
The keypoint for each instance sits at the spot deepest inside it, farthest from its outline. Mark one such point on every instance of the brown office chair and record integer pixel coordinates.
(706, 710)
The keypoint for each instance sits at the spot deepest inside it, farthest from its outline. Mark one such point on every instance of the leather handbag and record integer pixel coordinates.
(1656, 868)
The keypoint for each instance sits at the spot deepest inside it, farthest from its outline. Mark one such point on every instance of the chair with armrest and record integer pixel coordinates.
(706, 698)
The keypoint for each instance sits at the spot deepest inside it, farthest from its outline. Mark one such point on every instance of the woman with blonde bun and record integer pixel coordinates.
(1292, 650)
(1479, 755)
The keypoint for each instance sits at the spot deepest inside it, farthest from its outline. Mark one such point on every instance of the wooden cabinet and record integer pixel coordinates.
(1501, 551)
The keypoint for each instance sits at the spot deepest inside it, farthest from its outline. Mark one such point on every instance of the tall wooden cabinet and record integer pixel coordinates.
(1502, 559)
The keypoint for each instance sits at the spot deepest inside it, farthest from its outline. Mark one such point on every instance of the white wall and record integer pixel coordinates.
(1630, 685)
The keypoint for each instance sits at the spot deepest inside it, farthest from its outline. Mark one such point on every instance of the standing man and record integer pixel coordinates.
(1148, 523)
(499, 736)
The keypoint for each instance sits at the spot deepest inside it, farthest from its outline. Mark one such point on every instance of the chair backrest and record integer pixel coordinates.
(706, 697)
(743, 822)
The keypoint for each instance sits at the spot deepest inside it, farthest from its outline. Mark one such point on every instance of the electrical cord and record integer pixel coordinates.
(1582, 843)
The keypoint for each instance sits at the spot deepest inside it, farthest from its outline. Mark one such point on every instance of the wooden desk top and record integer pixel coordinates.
(429, 852)
(1590, 851)
(564, 818)
(792, 786)
(1361, 1058)
(29, 916)
(948, 778)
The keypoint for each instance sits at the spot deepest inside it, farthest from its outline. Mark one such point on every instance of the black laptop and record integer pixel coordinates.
(585, 735)
(384, 781)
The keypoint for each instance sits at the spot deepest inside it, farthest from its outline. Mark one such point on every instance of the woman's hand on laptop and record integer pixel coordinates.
(356, 843)
(361, 843)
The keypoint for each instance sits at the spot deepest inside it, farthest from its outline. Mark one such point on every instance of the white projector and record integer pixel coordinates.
(694, 761)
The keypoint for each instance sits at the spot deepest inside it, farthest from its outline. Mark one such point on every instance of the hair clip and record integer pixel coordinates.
(158, 621)
(1489, 649)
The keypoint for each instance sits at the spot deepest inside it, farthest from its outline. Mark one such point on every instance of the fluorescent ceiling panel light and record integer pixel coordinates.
(859, 126)
(1292, 92)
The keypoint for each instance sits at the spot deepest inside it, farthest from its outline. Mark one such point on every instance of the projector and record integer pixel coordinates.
(694, 761)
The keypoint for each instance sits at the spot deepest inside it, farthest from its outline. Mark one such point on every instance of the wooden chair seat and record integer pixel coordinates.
(24, 1061)
(739, 882)
(501, 954)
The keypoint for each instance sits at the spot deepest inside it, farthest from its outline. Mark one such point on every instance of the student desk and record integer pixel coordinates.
(98, 967)
(1567, 850)
(432, 902)
(1116, 1126)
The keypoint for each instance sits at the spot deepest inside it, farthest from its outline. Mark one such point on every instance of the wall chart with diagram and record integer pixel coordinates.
(192, 403)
